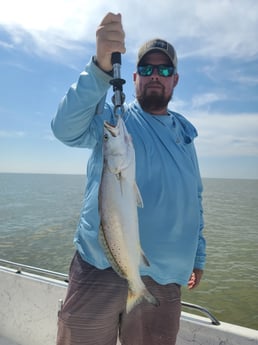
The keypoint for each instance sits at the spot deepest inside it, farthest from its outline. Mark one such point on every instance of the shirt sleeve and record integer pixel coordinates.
(200, 257)
(72, 122)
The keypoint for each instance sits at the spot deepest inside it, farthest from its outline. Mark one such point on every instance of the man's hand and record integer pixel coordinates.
(195, 278)
(109, 39)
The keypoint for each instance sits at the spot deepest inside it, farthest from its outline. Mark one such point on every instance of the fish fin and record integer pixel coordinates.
(134, 299)
(144, 260)
(138, 195)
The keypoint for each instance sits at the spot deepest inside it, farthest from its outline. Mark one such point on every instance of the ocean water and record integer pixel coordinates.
(39, 215)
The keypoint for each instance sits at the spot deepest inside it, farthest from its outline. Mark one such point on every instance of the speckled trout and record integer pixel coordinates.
(119, 198)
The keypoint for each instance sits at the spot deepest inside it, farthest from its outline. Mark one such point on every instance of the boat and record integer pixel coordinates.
(31, 297)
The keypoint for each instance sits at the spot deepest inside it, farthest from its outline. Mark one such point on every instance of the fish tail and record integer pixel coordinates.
(133, 299)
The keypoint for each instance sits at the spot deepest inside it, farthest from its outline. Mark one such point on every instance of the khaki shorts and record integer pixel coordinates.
(94, 310)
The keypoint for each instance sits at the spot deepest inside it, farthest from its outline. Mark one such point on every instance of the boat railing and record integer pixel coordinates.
(202, 310)
(20, 268)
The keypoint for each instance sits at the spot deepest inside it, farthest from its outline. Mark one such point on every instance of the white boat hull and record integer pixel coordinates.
(29, 305)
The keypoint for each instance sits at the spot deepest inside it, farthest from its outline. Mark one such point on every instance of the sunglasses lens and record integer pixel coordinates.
(145, 71)
(163, 70)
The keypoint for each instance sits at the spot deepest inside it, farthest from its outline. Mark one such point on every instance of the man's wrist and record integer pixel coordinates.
(95, 61)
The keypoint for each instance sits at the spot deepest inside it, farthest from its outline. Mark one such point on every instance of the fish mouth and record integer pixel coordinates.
(108, 125)
(113, 129)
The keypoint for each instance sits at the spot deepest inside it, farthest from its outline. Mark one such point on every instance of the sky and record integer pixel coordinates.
(44, 45)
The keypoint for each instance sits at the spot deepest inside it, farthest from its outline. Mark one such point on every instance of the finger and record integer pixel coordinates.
(191, 282)
(110, 33)
(110, 18)
(111, 40)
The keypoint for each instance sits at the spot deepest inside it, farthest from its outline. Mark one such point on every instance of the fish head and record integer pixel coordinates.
(117, 146)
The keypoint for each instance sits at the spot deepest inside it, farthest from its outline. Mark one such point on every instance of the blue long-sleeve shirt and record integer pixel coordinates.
(167, 174)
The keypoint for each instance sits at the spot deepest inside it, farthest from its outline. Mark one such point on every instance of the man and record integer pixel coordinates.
(167, 174)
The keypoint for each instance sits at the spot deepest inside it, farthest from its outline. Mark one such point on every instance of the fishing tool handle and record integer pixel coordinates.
(116, 58)
(117, 82)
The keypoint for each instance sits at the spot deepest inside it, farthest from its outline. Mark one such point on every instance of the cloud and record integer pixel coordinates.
(198, 28)
(243, 77)
(12, 134)
(221, 134)
(226, 135)
(206, 99)
(5, 45)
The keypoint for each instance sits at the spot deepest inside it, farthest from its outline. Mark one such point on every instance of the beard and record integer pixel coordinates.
(155, 100)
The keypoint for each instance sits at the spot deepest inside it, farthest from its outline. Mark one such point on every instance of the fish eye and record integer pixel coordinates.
(105, 137)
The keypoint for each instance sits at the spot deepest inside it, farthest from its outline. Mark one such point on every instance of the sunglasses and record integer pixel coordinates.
(163, 70)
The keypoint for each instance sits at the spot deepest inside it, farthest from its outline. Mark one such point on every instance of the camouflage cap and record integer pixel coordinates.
(158, 44)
